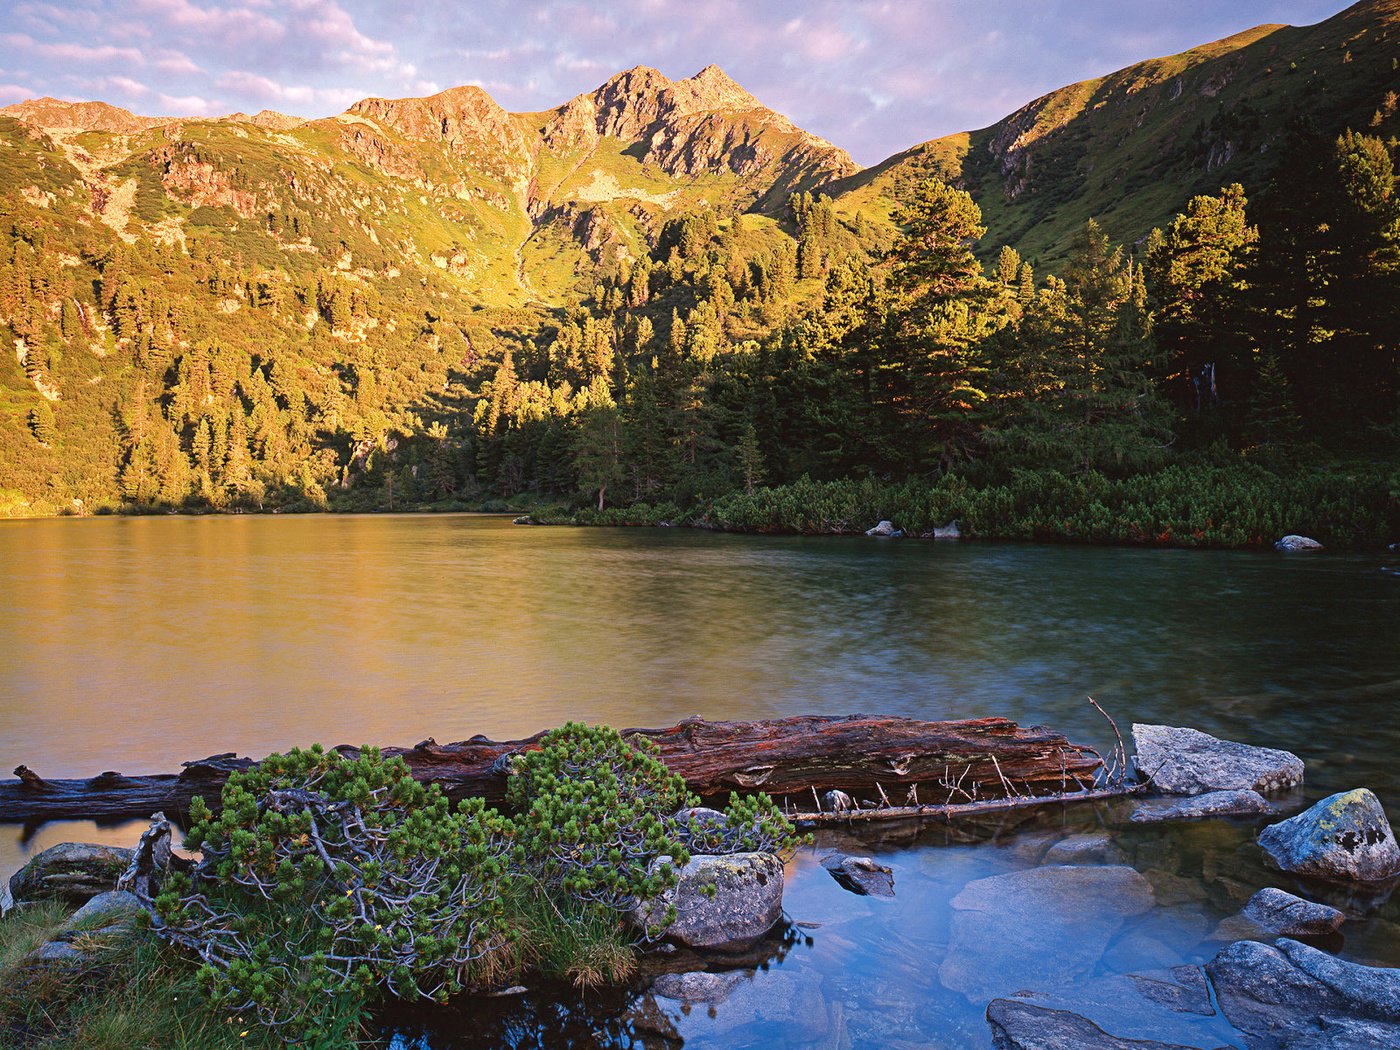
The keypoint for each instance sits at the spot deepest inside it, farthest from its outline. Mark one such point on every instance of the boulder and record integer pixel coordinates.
(1002, 924)
(1018, 1025)
(73, 872)
(1297, 543)
(1199, 807)
(1280, 996)
(1277, 913)
(884, 528)
(860, 875)
(1182, 761)
(724, 902)
(106, 909)
(1345, 836)
(838, 801)
(947, 532)
(1286, 994)
(1084, 849)
(696, 987)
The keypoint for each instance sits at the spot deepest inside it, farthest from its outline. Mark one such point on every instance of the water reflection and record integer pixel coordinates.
(134, 644)
(852, 971)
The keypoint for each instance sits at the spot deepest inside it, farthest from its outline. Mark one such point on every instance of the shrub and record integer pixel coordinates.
(326, 878)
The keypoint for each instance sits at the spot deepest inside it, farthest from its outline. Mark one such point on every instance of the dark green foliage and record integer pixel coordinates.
(596, 810)
(1181, 506)
(326, 878)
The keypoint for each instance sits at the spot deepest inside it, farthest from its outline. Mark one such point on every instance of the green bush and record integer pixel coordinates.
(1204, 505)
(595, 811)
(325, 879)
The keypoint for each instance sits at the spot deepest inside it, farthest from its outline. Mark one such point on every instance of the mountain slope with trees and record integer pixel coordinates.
(662, 296)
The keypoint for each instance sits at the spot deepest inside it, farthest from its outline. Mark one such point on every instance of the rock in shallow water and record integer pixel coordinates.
(1199, 807)
(1345, 836)
(1183, 761)
(1018, 1025)
(1289, 995)
(1281, 996)
(747, 901)
(73, 872)
(860, 875)
(1277, 913)
(1294, 542)
(1004, 926)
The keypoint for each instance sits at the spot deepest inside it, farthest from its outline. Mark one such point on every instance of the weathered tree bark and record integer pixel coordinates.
(884, 759)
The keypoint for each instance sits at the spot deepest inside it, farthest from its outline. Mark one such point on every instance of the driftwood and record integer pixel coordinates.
(952, 811)
(788, 758)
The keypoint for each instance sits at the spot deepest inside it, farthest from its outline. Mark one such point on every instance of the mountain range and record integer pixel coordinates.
(429, 234)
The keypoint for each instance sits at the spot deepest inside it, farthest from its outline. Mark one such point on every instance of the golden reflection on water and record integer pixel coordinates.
(137, 643)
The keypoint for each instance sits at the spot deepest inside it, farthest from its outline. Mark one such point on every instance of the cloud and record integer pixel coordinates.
(69, 52)
(873, 76)
(16, 93)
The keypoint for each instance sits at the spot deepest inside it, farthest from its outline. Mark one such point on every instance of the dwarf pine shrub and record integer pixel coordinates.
(325, 879)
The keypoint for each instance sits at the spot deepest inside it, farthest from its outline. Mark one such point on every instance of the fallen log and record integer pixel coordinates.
(867, 757)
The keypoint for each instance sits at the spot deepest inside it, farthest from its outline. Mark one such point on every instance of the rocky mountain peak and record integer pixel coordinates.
(713, 89)
(54, 114)
(460, 117)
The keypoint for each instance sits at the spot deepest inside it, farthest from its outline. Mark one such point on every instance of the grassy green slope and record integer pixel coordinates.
(1132, 147)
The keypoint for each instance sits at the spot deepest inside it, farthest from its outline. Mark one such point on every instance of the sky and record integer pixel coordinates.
(872, 76)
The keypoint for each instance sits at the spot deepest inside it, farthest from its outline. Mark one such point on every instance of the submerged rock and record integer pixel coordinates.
(724, 902)
(1018, 1025)
(1277, 913)
(1345, 836)
(1280, 996)
(860, 875)
(1199, 807)
(1084, 849)
(73, 872)
(1293, 542)
(696, 987)
(1289, 995)
(1002, 924)
(1181, 761)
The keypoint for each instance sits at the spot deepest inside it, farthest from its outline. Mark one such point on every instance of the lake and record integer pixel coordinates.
(137, 643)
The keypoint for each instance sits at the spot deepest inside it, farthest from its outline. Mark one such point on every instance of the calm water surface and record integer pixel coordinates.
(135, 644)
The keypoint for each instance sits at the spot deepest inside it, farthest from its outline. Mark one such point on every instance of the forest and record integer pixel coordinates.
(1226, 377)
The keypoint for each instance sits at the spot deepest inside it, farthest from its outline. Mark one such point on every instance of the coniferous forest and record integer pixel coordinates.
(220, 316)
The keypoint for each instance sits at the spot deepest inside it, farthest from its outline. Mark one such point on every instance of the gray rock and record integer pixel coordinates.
(73, 872)
(1001, 925)
(948, 532)
(860, 875)
(884, 528)
(115, 907)
(1018, 1025)
(1345, 836)
(838, 801)
(747, 901)
(1294, 542)
(56, 952)
(1289, 995)
(1199, 807)
(1084, 849)
(1184, 761)
(698, 987)
(1277, 913)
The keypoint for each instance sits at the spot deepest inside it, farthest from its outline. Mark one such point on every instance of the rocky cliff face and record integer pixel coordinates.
(463, 119)
(54, 114)
(704, 124)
